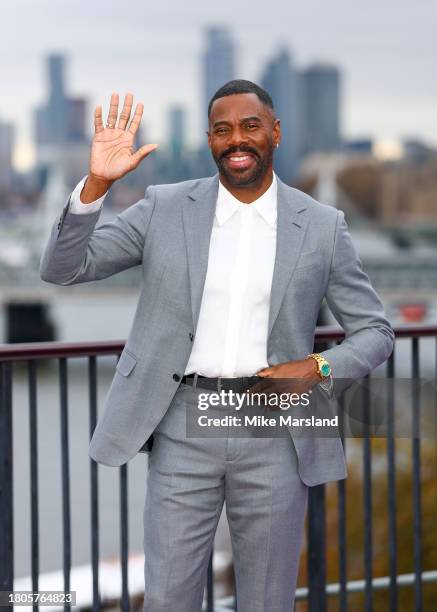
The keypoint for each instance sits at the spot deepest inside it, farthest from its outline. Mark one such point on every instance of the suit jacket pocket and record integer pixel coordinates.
(310, 259)
(126, 363)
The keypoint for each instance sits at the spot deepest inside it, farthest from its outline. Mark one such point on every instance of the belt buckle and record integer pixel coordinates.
(219, 384)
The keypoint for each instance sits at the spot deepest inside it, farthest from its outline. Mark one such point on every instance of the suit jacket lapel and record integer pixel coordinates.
(290, 233)
(198, 216)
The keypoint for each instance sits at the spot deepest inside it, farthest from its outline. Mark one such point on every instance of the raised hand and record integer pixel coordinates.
(112, 152)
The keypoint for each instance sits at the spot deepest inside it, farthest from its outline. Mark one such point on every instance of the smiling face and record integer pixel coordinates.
(242, 134)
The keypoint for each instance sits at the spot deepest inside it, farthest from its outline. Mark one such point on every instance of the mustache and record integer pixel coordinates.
(242, 149)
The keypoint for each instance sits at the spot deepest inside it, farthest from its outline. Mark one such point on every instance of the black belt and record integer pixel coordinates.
(238, 385)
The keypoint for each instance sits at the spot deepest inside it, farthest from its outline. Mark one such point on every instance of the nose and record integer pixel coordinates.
(237, 137)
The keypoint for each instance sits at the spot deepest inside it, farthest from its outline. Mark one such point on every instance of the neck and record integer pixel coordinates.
(249, 193)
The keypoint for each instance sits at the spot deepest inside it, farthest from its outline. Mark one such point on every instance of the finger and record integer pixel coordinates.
(113, 110)
(143, 152)
(259, 387)
(126, 111)
(98, 122)
(259, 393)
(135, 123)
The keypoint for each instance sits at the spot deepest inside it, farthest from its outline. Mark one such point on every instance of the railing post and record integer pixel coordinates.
(6, 491)
(316, 549)
(210, 584)
(94, 482)
(124, 539)
(65, 473)
(316, 558)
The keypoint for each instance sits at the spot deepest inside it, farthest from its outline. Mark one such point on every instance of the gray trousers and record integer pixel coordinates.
(188, 481)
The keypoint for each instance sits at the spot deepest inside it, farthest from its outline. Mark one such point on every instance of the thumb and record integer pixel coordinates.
(143, 152)
(263, 372)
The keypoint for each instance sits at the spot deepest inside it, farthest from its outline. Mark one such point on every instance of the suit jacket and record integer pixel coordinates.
(168, 233)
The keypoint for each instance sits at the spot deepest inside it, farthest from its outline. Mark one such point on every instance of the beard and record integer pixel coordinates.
(244, 177)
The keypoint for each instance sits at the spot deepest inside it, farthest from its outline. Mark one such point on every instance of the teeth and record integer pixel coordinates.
(240, 158)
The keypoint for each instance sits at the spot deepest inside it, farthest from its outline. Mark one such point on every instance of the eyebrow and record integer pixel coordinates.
(223, 122)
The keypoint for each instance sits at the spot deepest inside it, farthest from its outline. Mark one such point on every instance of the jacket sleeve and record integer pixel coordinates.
(79, 252)
(369, 337)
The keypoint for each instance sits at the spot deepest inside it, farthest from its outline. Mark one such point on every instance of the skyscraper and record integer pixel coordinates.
(218, 67)
(6, 150)
(176, 135)
(57, 102)
(218, 61)
(61, 119)
(281, 81)
(320, 108)
(76, 119)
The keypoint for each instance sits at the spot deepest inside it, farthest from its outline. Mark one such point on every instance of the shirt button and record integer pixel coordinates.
(176, 377)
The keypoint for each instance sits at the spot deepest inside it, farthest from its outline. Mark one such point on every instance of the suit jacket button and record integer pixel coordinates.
(191, 337)
(176, 377)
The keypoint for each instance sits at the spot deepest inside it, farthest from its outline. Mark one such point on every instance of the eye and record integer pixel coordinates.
(220, 130)
(252, 126)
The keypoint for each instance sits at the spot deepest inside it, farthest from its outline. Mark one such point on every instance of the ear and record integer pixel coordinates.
(277, 131)
(209, 138)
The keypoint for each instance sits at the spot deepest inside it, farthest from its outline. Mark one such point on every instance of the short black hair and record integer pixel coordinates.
(241, 86)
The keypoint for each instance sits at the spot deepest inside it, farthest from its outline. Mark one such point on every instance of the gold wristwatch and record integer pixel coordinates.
(323, 367)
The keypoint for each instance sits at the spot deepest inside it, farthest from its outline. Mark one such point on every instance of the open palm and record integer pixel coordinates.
(112, 150)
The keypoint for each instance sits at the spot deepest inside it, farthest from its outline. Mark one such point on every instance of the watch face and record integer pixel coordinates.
(325, 369)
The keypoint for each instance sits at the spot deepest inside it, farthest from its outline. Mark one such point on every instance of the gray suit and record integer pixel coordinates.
(168, 233)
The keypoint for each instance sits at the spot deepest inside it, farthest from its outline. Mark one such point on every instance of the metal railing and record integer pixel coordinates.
(315, 593)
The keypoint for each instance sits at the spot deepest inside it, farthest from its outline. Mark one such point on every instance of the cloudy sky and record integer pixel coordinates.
(387, 50)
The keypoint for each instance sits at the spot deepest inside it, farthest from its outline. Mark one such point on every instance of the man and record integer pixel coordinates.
(234, 271)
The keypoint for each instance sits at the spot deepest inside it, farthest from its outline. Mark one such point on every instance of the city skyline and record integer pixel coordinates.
(307, 102)
(387, 91)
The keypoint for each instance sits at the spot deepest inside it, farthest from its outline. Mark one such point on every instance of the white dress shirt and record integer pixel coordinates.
(231, 334)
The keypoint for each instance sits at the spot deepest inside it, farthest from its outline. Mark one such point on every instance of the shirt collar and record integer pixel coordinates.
(265, 205)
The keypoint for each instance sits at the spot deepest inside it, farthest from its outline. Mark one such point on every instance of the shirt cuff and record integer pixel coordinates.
(79, 208)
